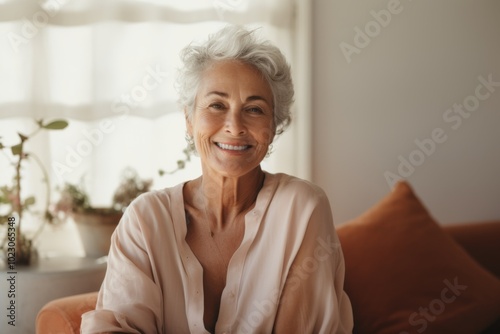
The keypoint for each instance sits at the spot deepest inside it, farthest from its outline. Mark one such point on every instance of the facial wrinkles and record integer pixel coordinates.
(235, 113)
(237, 89)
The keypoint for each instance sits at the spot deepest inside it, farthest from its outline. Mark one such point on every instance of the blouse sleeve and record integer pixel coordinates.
(313, 299)
(129, 300)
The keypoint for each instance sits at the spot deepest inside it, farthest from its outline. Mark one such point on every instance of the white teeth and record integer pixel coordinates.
(231, 147)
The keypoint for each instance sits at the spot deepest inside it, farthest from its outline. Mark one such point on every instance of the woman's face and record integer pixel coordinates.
(232, 123)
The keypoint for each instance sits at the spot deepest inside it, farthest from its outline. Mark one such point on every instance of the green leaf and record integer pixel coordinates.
(4, 219)
(56, 125)
(17, 149)
(23, 137)
(29, 201)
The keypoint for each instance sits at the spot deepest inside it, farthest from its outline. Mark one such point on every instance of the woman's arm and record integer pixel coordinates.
(129, 299)
(313, 299)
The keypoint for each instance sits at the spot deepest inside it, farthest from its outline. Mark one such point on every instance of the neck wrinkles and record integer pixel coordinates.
(227, 199)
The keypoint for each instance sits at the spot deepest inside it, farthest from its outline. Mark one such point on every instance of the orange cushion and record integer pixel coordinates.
(64, 315)
(481, 241)
(405, 275)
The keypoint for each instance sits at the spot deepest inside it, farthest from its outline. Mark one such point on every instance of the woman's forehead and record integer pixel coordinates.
(226, 77)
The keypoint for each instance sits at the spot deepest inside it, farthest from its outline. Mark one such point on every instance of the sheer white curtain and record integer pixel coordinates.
(108, 67)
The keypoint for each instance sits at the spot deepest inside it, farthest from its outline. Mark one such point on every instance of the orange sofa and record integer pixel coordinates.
(480, 240)
(404, 274)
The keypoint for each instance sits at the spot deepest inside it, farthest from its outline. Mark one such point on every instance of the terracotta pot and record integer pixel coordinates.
(95, 229)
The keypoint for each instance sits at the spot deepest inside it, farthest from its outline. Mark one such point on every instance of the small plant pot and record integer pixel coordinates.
(95, 228)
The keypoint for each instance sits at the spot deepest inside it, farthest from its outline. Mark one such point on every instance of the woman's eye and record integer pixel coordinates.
(255, 110)
(216, 106)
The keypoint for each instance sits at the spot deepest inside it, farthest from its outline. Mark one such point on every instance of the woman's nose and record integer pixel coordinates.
(235, 123)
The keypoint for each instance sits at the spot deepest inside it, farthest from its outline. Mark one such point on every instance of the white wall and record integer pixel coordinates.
(398, 88)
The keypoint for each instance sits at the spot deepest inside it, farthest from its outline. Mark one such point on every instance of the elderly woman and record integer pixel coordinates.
(237, 250)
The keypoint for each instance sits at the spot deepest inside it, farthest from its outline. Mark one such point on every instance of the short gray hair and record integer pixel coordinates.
(237, 43)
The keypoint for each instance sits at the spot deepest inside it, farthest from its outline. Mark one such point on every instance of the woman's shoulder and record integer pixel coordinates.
(155, 199)
(294, 185)
(154, 211)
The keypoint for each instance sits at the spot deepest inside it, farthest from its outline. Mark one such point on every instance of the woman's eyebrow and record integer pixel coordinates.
(214, 92)
(257, 98)
(250, 98)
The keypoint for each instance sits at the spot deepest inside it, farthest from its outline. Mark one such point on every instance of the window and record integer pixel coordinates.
(108, 67)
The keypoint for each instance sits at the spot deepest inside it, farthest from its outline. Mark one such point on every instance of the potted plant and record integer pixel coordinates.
(18, 247)
(96, 224)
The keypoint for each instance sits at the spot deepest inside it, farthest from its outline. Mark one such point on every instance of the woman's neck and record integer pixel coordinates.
(224, 199)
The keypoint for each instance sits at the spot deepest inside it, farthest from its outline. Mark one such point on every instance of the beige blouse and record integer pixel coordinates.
(287, 275)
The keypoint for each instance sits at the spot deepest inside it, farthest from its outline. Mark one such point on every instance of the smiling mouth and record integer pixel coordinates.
(233, 147)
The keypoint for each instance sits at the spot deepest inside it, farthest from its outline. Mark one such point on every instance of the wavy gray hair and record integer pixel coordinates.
(237, 43)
